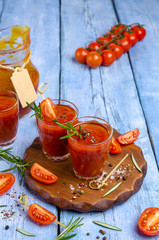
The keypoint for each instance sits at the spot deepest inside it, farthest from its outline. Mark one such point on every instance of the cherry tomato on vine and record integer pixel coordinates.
(40, 214)
(124, 43)
(42, 174)
(116, 28)
(81, 55)
(149, 221)
(140, 31)
(108, 57)
(109, 35)
(116, 49)
(115, 146)
(129, 137)
(48, 109)
(94, 59)
(102, 40)
(132, 36)
(6, 182)
(93, 46)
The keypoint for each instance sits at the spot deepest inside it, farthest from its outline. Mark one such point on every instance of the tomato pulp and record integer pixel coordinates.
(89, 154)
(6, 182)
(8, 117)
(50, 133)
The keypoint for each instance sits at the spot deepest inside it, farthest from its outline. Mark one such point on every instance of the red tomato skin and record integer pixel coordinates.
(108, 57)
(129, 137)
(125, 44)
(35, 211)
(102, 40)
(140, 31)
(133, 38)
(37, 170)
(6, 178)
(117, 50)
(141, 219)
(115, 147)
(93, 46)
(80, 55)
(94, 59)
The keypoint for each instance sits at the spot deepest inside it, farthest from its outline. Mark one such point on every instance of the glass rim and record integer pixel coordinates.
(94, 144)
(52, 124)
(2, 93)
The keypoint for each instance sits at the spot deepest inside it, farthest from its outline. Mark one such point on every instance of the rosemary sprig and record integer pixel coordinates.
(135, 163)
(112, 189)
(69, 127)
(69, 228)
(25, 233)
(36, 109)
(7, 156)
(107, 225)
(3, 205)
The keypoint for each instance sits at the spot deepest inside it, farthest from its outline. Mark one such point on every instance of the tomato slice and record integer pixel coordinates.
(149, 221)
(40, 214)
(115, 146)
(48, 109)
(42, 174)
(129, 137)
(6, 182)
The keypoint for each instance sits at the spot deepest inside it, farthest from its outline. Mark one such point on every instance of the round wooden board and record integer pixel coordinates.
(61, 192)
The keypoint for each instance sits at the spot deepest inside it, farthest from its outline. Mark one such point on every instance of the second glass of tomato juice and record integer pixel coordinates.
(50, 133)
(90, 148)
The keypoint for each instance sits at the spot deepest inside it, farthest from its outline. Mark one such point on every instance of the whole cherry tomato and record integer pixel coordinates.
(48, 109)
(102, 40)
(81, 55)
(109, 35)
(124, 43)
(140, 31)
(149, 221)
(94, 59)
(40, 214)
(129, 137)
(115, 146)
(6, 182)
(116, 49)
(42, 175)
(108, 57)
(93, 46)
(115, 29)
(132, 36)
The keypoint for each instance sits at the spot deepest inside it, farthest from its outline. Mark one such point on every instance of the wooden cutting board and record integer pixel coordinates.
(66, 192)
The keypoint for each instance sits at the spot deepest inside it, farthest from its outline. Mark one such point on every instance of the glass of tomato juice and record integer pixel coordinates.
(50, 133)
(89, 154)
(9, 111)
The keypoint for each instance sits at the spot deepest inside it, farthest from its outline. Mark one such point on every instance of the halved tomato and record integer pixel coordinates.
(40, 214)
(115, 146)
(149, 221)
(129, 137)
(6, 182)
(42, 174)
(48, 109)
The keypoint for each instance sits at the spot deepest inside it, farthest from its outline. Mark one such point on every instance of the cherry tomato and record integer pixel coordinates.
(81, 55)
(48, 109)
(109, 35)
(94, 59)
(42, 175)
(124, 43)
(116, 49)
(140, 31)
(40, 214)
(132, 36)
(115, 146)
(108, 57)
(93, 46)
(149, 221)
(115, 29)
(102, 41)
(6, 182)
(129, 137)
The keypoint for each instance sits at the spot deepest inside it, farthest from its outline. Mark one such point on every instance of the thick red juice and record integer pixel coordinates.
(8, 119)
(90, 153)
(50, 133)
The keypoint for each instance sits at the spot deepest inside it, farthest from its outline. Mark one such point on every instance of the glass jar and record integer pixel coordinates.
(15, 52)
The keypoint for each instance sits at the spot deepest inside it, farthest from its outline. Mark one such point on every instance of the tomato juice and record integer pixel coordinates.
(50, 133)
(89, 154)
(9, 110)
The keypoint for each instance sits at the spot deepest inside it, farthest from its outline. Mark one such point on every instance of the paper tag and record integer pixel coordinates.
(23, 86)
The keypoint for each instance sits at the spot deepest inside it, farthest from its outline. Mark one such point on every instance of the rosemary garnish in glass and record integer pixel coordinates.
(7, 156)
(36, 109)
(69, 127)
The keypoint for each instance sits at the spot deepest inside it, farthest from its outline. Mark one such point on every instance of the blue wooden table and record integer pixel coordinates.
(126, 94)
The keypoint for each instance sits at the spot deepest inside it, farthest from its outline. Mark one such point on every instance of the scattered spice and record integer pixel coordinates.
(6, 227)
(88, 234)
(105, 238)
(74, 197)
(102, 232)
(97, 237)
(110, 165)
